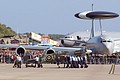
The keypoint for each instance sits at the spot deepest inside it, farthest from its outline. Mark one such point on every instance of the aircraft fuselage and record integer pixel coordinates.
(101, 44)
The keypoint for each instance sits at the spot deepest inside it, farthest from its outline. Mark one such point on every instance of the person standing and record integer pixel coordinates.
(58, 61)
(40, 61)
(15, 61)
(74, 61)
(36, 60)
(19, 59)
(84, 62)
(71, 61)
(67, 61)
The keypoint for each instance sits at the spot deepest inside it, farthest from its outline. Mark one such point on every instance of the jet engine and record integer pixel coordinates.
(67, 43)
(20, 50)
(49, 57)
(49, 53)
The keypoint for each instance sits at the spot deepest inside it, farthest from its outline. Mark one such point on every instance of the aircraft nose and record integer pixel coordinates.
(110, 47)
(77, 15)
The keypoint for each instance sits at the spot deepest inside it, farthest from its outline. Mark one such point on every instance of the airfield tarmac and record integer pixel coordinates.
(51, 72)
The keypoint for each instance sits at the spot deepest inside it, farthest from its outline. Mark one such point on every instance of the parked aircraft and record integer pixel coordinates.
(49, 51)
(98, 44)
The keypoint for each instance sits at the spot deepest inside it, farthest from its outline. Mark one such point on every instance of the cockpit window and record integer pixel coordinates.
(106, 41)
(103, 41)
(78, 38)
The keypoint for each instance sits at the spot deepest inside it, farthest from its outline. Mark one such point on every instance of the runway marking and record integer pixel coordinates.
(112, 70)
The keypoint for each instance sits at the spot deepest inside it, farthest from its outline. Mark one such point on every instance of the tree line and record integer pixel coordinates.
(6, 31)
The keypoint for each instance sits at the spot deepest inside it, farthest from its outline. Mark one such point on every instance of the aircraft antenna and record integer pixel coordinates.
(92, 7)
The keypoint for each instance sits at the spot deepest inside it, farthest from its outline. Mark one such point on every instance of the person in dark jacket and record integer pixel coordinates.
(58, 61)
(40, 61)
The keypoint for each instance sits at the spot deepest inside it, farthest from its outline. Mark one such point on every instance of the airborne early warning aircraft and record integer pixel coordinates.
(102, 44)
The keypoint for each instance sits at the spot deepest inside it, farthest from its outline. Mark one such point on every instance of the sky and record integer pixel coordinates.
(55, 16)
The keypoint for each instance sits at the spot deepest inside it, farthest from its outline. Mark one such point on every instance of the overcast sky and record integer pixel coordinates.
(55, 16)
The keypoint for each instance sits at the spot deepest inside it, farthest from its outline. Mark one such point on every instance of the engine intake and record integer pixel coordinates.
(50, 55)
(50, 51)
(20, 50)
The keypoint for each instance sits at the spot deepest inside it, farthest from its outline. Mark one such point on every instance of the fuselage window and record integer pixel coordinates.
(109, 41)
(67, 37)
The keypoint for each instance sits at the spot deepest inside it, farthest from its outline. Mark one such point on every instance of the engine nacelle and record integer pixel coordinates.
(50, 51)
(67, 43)
(20, 51)
(49, 55)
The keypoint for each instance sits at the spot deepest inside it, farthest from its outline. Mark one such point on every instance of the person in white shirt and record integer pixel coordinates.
(83, 58)
(19, 59)
(36, 60)
(71, 61)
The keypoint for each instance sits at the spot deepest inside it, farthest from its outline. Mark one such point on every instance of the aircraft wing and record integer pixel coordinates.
(53, 48)
(8, 46)
(41, 47)
(24, 46)
(67, 48)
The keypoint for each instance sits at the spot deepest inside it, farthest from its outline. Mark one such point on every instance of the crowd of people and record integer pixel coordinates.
(83, 61)
(103, 59)
(10, 57)
(72, 61)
